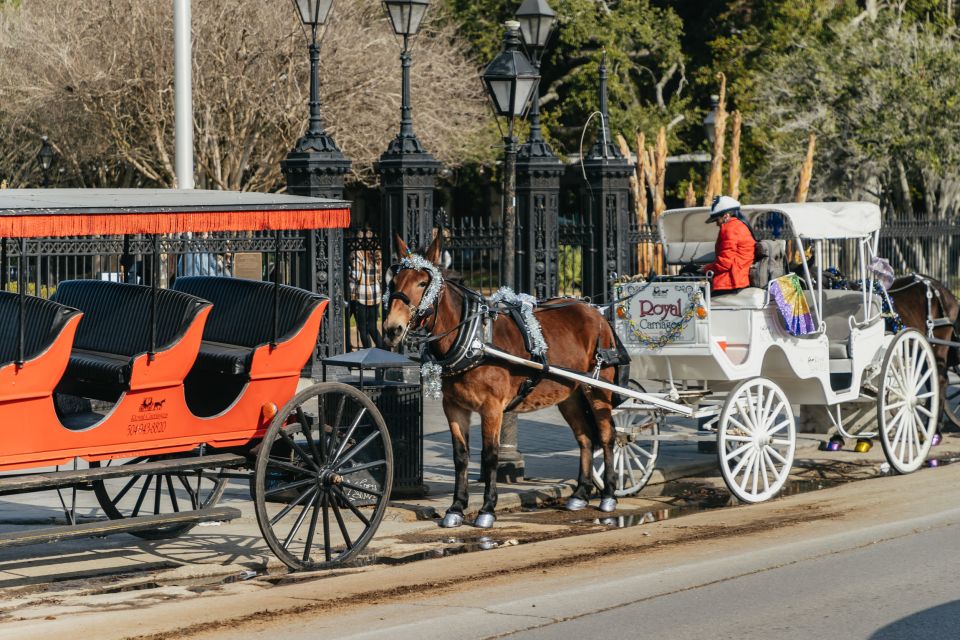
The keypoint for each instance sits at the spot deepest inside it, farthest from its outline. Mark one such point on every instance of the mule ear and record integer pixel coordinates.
(401, 246)
(433, 251)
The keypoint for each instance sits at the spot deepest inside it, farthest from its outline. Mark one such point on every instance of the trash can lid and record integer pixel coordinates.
(370, 359)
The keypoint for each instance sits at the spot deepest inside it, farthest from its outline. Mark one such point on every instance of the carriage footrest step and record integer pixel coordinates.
(110, 527)
(60, 479)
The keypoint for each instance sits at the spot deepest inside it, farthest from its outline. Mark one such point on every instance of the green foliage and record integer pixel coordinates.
(881, 92)
(646, 67)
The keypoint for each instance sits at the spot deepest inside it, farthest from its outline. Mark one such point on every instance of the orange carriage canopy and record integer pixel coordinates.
(37, 213)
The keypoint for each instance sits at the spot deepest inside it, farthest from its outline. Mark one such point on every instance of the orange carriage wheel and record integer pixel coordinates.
(323, 477)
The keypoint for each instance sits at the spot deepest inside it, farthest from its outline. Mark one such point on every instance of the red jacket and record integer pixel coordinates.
(734, 255)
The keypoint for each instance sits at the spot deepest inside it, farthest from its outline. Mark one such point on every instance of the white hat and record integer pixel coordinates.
(721, 205)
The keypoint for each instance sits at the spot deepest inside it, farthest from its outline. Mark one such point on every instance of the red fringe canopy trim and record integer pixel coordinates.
(39, 225)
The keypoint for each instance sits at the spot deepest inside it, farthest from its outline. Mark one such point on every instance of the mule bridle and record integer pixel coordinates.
(430, 302)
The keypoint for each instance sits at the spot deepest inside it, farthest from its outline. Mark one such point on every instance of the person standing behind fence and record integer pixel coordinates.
(365, 271)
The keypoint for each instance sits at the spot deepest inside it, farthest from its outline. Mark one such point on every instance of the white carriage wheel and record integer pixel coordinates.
(908, 402)
(634, 454)
(757, 437)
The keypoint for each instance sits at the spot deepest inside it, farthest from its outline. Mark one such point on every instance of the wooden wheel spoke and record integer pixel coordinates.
(339, 462)
(290, 507)
(351, 506)
(300, 452)
(157, 493)
(292, 468)
(290, 485)
(142, 496)
(348, 435)
(307, 431)
(342, 525)
(326, 528)
(125, 488)
(308, 543)
(173, 494)
(299, 521)
(362, 467)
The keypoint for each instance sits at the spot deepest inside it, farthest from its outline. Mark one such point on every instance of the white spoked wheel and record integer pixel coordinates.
(908, 403)
(757, 437)
(634, 452)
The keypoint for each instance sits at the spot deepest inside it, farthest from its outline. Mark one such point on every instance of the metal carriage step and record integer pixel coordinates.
(60, 479)
(110, 527)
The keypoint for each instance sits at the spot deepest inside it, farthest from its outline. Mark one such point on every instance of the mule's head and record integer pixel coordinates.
(407, 290)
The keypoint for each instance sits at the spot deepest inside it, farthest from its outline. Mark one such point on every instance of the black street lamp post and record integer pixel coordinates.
(607, 199)
(45, 158)
(511, 81)
(407, 171)
(538, 173)
(315, 167)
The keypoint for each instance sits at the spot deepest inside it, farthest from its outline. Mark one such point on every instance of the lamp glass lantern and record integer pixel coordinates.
(536, 20)
(406, 15)
(511, 79)
(314, 13)
(45, 155)
(710, 121)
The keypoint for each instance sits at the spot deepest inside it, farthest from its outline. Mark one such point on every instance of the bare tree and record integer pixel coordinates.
(97, 77)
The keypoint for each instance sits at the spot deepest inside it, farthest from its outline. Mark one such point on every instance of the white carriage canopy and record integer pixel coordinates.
(809, 220)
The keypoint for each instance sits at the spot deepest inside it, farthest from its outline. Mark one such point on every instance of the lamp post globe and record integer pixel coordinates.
(511, 79)
(45, 158)
(536, 19)
(710, 121)
(406, 15)
(313, 13)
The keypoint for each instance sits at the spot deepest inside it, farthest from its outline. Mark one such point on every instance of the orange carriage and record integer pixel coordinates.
(164, 394)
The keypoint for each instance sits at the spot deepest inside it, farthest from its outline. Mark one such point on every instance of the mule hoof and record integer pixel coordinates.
(937, 439)
(608, 505)
(451, 520)
(484, 520)
(576, 504)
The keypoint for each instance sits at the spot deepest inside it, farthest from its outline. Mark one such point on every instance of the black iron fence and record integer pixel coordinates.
(472, 250)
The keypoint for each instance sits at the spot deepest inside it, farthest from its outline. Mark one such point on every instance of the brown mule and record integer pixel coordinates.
(573, 332)
(909, 295)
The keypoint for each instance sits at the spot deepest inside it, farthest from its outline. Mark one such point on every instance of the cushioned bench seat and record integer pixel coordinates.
(115, 330)
(43, 322)
(838, 307)
(242, 319)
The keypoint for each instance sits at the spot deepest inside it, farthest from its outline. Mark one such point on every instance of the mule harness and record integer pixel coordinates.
(477, 317)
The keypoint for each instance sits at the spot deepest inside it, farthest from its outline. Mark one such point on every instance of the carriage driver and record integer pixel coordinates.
(734, 249)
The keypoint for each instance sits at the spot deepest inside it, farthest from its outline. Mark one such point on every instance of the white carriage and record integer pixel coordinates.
(732, 364)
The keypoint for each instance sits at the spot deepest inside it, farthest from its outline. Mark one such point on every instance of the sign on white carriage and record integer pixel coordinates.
(654, 312)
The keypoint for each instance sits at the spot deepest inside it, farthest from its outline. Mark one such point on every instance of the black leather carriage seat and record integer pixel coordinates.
(44, 320)
(115, 330)
(242, 319)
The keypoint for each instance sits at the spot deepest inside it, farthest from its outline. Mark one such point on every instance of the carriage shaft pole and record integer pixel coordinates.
(586, 380)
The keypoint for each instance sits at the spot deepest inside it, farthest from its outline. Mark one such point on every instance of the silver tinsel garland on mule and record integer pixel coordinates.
(527, 302)
(430, 378)
(420, 263)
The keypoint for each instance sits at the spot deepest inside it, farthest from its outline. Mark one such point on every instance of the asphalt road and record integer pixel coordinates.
(872, 560)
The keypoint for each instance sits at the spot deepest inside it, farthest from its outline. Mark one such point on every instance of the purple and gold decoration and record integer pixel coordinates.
(788, 294)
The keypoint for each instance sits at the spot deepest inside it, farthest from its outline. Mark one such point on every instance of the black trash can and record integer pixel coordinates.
(380, 377)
